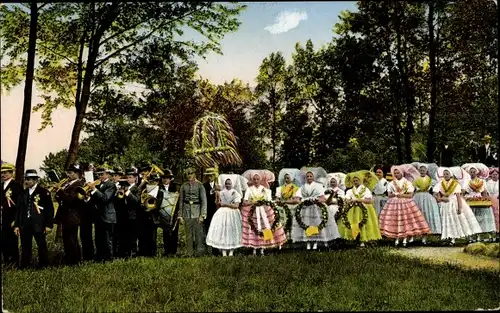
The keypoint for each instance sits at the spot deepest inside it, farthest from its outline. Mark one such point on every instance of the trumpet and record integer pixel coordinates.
(123, 188)
(148, 199)
(58, 186)
(84, 192)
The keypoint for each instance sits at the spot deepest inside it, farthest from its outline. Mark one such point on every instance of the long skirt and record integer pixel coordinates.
(451, 225)
(468, 220)
(312, 216)
(485, 218)
(401, 218)
(379, 203)
(370, 231)
(252, 240)
(494, 206)
(429, 207)
(225, 229)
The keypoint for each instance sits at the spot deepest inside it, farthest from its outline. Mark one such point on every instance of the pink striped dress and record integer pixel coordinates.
(250, 238)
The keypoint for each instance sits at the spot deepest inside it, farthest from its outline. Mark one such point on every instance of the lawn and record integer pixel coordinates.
(352, 279)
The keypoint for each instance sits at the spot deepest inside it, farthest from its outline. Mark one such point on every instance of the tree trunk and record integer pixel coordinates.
(28, 91)
(431, 141)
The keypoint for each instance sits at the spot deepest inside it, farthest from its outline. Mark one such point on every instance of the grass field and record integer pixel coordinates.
(351, 279)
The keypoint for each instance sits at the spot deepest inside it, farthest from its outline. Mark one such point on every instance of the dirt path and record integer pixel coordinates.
(453, 255)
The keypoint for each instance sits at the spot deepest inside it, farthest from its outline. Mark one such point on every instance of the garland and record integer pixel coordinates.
(276, 223)
(288, 212)
(324, 214)
(345, 208)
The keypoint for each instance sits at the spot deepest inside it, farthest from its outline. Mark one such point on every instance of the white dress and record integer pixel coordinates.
(311, 216)
(380, 195)
(456, 225)
(225, 231)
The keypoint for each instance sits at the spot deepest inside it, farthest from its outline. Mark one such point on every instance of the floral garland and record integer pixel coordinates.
(288, 212)
(344, 209)
(276, 223)
(324, 214)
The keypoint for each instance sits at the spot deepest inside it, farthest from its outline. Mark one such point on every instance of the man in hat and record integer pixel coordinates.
(193, 212)
(131, 204)
(87, 217)
(119, 232)
(210, 185)
(147, 228)
(11, 190)
(487, 152)
(69, 214)
(446, 155)
(102, 195)
(166, 215)
(34, 218)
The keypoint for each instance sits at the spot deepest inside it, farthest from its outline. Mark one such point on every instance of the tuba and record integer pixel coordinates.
(149, 198)
(84, 192)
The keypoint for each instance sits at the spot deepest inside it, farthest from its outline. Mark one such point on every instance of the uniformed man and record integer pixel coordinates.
(34, 218)
(193, 210)
(102, 195)
(69, 212)
(121, 216)
(11, 190)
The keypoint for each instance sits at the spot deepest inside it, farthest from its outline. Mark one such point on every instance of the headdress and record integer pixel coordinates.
(294, 176)
(266, 176)
(409, 171)
(318, 172)
(367, 178)
(482, 170)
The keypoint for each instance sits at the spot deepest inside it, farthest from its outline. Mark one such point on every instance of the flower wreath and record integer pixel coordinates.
(324, 214)
(344, 209)
(276, 222)
(288, 213)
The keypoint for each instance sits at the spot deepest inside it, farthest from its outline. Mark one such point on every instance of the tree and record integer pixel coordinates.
(109, 33)
(268, 109)
(28, 90)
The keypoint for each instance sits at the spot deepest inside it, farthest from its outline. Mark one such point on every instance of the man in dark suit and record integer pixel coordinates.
(68, 214)
(147, 230)
(131, 204)
(210, 185)
(11, 191)
(34, 218)
(87, 217)
(487, 152)
(166, 214)
(447, 153)
(102, 196)
(119, 231)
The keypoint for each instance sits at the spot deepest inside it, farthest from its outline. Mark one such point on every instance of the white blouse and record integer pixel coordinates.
(350, 195)
(391, 188)
(492, 187)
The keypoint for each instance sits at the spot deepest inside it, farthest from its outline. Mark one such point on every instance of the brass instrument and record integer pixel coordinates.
(154, 169)
(148, 198)
(84, 192)
(58, 186)
(123, 188)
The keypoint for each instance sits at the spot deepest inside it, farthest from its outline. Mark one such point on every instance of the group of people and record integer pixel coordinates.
(229, 211)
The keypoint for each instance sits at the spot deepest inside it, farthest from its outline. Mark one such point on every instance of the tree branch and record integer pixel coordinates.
(56, 53)
(122, 32)
(105, 59)
(44, 4)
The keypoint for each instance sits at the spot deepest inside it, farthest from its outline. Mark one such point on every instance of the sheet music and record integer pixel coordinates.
(89, 176)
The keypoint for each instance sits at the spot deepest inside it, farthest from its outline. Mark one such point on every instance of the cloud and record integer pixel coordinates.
(286, 21)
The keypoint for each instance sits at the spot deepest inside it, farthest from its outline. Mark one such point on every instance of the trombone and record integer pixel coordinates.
(84, 192)
(58, 186)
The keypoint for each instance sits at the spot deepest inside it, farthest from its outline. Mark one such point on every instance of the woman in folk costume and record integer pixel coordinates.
(312, 214)
(401, 217)
(261, 236)
(380, 190)
(332, 193)
(358, 207)
(457, 219)
(288, 193)
(224, 232)
(492, 188)
(476, 189)
(425, 201)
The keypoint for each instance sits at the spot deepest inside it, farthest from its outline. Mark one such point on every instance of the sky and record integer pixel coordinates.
(266, 27)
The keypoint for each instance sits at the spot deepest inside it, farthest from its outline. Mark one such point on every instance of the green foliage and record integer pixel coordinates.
(245, 283)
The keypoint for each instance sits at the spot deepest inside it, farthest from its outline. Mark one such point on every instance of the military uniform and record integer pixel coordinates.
(193, 205)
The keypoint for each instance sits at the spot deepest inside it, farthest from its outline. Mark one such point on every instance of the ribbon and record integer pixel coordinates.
(312, 230)
(355, 230)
